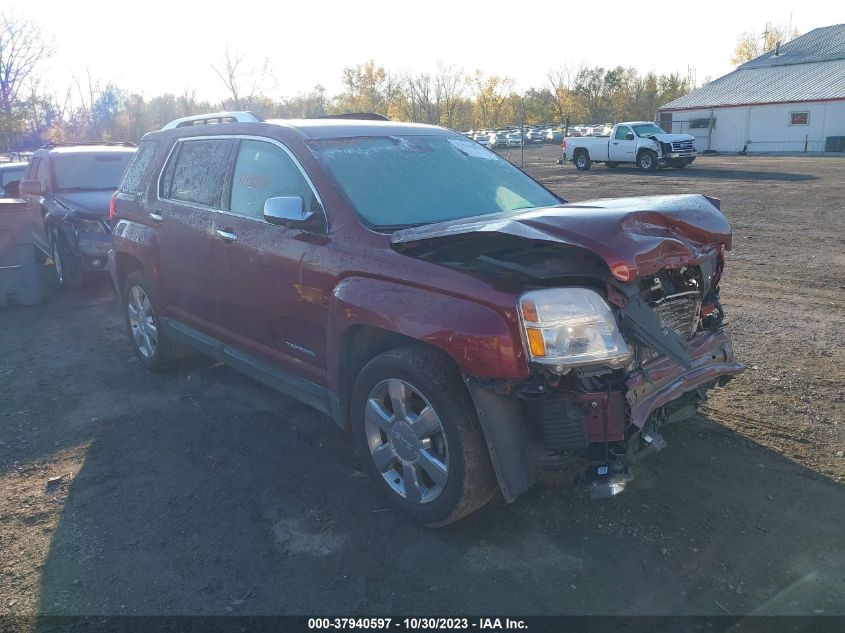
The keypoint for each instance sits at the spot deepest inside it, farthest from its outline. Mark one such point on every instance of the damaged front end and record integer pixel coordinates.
(621, 320)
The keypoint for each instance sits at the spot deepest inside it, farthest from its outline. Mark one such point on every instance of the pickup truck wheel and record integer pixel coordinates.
(69, 275)
(418, 438)
(149, 342)
(647, 160)
(582, 161)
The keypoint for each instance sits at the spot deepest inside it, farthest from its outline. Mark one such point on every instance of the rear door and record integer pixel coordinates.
(269, 278)
(190, 191)
(623, 145)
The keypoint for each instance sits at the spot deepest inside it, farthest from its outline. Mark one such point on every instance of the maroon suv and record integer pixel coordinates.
(466, 324)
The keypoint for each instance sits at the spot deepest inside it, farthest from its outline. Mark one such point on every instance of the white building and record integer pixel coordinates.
(791, 99)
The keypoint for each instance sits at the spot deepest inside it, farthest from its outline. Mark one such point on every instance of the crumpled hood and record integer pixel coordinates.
(645, 234)
(672, 138)
(87, 204)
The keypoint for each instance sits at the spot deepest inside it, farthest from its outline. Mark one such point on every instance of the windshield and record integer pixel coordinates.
(90, 172)
(647, 129)
(411, 180)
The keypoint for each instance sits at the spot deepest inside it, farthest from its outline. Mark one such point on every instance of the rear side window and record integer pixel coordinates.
(264, 170)
(621, 132)
(135, 177)
(195, 171)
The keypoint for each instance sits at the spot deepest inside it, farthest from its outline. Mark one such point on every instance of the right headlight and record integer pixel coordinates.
(571, 327)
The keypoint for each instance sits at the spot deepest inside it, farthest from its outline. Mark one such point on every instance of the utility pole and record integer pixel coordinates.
(522, 136)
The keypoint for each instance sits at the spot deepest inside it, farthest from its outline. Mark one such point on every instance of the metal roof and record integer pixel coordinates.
(819, 45)
(809, 68)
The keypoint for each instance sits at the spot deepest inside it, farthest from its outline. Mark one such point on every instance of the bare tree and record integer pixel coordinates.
(417, 104)
(22, 47)
(449, 86)
(245, 81)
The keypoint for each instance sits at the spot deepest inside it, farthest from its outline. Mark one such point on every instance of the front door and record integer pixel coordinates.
(38, 171)
(623, 145)
(183, 216)
(269, 279)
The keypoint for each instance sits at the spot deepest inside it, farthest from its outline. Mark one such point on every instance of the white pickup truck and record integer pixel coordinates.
(637, 142)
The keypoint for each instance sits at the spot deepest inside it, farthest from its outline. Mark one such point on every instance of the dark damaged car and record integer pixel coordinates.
(69, 188)
(465, 324)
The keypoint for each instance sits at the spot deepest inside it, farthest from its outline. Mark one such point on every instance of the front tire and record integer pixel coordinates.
(150, 344)
(418, 438)
(647, 160)
(69, 275)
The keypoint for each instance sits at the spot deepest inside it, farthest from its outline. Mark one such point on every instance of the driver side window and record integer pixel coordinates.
(621, 133)
(264, 170)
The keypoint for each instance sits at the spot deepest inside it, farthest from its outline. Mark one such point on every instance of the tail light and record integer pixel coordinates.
(111, 207)
(563, 145)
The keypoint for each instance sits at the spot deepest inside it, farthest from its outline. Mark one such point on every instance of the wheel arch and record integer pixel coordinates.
(124, 265)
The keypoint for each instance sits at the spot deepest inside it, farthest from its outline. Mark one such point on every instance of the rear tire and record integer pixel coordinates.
(148, 340)
(418, 437)
(647, 160)
(582, 161)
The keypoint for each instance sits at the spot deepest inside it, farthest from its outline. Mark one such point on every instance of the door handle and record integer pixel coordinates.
(226, 236)
(156, 217)
(615, 143)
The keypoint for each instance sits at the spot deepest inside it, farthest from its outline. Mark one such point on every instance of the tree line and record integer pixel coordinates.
(92, 110)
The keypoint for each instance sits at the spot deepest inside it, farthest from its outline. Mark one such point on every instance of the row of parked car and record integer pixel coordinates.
(515, 136)
(463, 322)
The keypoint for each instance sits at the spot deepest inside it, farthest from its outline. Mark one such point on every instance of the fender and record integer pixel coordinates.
(141, 242)
(481, 341)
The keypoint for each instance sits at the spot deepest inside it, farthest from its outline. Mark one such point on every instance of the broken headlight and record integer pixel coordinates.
(570, 327)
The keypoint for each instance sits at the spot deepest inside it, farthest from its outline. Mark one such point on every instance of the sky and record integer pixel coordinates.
(152, 47)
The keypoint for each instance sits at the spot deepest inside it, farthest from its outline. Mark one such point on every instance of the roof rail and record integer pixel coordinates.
(74, 143)
(363, 116)
(214, 117)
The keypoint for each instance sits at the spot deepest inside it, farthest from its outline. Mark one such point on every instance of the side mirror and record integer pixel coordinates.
(629, 136)
(286, 210)
(12, 189)
(32, 187)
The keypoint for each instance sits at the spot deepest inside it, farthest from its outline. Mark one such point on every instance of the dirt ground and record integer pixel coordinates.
(202, 492)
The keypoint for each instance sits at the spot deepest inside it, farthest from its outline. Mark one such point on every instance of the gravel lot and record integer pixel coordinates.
(203, 492)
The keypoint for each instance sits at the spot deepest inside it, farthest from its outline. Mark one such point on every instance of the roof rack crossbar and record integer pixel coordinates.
(214, 117)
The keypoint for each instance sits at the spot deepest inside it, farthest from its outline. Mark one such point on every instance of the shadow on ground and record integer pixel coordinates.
(219, 501)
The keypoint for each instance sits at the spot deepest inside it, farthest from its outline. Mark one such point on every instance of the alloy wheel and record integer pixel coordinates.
(406, 440)
(142, 322)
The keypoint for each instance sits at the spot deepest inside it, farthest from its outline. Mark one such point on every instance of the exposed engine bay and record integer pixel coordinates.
(658, 272)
